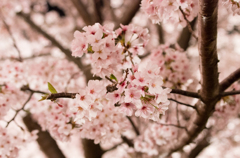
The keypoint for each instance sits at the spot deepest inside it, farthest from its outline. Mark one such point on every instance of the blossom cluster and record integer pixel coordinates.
(10, 142)
(8, 96)
(54, 117)
(136, 92)
(101, 115)
(233, 5)
(109, 51)
(174, 65)
(154, 136)
(168, 10)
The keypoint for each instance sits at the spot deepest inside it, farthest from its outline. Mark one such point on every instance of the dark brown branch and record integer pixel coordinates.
(129, 13)
(182, 103)
(61, 95)
(185, 93)
(228, 81)
(209, 94)
(17, 111)
(224, 94)
(109, 79)
(188, 24)
(83, 12)
(67, 52)
(50, 96)
(47, 144)
(199, 147)
(98, 5)
(133, 125)
(185, 36)
(126, 140)
(107, 5)
(26, 88)
(91, 150)
(160, 34)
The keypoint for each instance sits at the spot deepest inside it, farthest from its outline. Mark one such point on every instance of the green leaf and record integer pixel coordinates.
(51, 88)
(44, 97)
(113, 77)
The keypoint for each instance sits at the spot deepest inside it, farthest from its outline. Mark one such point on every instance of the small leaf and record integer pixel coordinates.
(51, 88)
(44, 97)
(113, 77)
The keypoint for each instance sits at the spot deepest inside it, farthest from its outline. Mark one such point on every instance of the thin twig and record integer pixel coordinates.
(14, 41)
(68, 82)
(185, 128)
(26, 58)
(127, 72)
(182, 103)
(26, 88)
(17, 111)
(131, 58)
(185, 93)
(188, 23)
(109, 79)
(133, 125)
(178, 122)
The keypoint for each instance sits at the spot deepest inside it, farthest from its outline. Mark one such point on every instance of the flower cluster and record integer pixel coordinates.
(233, 5)
(56, 117)
(174, 65)
(168, 10)
(109, 51)
(154, 136)
(8, 97)
(10, 142)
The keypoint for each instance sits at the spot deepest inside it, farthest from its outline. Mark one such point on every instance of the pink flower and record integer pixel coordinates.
(127, 108)
(133, 95)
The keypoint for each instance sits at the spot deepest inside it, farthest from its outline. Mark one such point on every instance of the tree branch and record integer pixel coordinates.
(228, 81)
(126, 140)
(26, 88)
(129, 13)
(98, 5)
(47, 144)
(209, 94)
(172, 125)
(224, 94)
(185, 93)
(82, 10)
(160, 34)
(67, 52)
(182, 103)
(17, 111)
(133, 125)
(13, 39)
(188, 24)
(61, 95)
(199, 147)
(185, 36)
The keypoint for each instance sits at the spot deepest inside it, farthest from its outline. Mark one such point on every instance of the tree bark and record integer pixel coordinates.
(209, 94)
(47, 144)
(91, 150)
